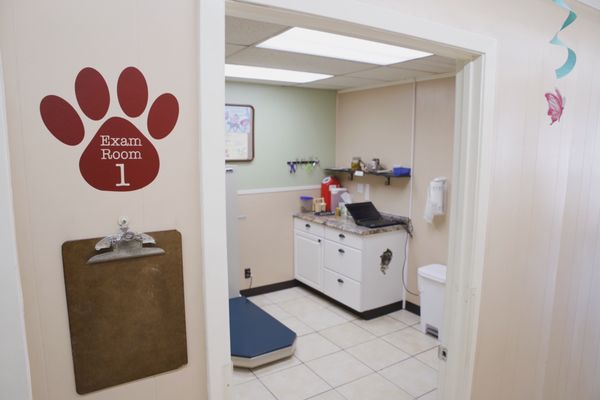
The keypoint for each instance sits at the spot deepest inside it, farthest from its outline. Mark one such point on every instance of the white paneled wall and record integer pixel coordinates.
(540, 313)
(574, 351)
(14, 365)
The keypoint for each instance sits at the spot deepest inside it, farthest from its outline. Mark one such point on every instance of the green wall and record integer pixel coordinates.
(290, 123)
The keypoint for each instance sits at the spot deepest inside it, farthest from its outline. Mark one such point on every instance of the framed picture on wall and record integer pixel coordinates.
(239, 132)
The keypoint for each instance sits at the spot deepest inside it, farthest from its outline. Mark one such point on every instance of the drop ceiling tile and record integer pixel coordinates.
(232, 49)
(389, 74)
(246, 32)
(295, 61)
(433, 64)
(342, 82)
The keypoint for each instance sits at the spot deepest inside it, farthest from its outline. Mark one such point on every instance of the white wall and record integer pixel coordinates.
(533, 184)
(267, 235)
(379, 123)
(14, 365)
(573, 359)
(290, 123)
(44, 45)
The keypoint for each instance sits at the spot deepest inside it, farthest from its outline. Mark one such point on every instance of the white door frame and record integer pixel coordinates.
(15, 379)
(472, 162)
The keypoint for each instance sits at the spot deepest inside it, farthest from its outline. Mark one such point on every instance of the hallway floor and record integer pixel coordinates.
(339, 357)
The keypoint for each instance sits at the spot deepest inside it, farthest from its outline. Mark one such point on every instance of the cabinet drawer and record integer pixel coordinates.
(309, 227)
(345, 238)
(342, 259)
(342, 289)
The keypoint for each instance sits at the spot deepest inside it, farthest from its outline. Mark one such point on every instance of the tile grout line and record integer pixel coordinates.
(425, 394)
(332, 309)
(310, 369)
(354, 380)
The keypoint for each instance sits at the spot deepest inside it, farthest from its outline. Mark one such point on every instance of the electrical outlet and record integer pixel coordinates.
(442, 353)
(247, 273)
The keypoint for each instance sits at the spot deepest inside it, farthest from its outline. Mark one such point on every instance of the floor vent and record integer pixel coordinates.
(431, 330)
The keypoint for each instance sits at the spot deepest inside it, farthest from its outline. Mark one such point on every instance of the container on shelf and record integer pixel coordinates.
(400, 171)
(356, 163)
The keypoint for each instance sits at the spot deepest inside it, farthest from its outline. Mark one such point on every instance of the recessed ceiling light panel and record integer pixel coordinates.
(271, 74)
(307, 41)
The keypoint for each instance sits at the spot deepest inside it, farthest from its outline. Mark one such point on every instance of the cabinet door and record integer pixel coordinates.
(308, 257)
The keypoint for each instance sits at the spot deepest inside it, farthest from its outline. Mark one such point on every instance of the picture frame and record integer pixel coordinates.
(239, 132)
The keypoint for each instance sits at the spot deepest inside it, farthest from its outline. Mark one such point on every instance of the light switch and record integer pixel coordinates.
(360, 188)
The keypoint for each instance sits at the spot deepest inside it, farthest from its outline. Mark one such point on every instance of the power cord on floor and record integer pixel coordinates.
(410, 234)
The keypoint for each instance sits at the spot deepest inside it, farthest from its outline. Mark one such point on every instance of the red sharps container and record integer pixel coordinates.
(326, 183)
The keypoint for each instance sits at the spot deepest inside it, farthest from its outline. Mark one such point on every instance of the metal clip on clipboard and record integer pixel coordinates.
(125, 244)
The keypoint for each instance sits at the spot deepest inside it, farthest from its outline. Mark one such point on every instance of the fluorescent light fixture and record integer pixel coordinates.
(307, 41)
(271, 74)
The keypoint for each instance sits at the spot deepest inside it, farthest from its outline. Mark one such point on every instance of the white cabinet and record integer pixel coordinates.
(342, 259)
(342, 289)
(308, 256)
(363, 272)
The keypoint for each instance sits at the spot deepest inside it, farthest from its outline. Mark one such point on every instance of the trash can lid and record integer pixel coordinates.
(436, 272)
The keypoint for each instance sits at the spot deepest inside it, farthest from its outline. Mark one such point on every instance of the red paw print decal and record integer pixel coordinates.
(119, 157)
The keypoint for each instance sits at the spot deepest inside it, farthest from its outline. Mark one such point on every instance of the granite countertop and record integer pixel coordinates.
(347, 224)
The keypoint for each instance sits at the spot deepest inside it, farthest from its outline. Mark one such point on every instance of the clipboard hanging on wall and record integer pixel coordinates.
(126, 315)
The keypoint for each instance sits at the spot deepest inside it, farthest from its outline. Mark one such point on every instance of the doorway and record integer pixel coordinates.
(474, 94)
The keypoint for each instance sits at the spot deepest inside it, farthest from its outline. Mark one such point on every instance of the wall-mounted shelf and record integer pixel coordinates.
(340, 171)
(351, 174)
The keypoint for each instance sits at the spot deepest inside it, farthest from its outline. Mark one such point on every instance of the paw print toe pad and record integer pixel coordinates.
(92, 93)
(132, 91)
(62, 120)
(163, 116)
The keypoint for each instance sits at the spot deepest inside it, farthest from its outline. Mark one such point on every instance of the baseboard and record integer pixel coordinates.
(324, 296)
(381, 311)
(413, 308)
(269, 288)
(369, 314)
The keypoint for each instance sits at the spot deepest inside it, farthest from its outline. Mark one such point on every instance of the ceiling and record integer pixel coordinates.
(242, 36)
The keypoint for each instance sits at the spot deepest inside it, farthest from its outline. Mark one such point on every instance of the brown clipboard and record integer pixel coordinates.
(126, 317)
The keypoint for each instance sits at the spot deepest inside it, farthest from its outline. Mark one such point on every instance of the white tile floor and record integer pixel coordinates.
(339, 357)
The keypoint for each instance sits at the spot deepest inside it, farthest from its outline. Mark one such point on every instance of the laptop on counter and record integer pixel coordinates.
(365, 214)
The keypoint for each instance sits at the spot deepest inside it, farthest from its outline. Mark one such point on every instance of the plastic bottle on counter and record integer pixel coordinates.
(306, 203)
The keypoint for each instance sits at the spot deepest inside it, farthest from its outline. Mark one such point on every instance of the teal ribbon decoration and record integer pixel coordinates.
(569, 64)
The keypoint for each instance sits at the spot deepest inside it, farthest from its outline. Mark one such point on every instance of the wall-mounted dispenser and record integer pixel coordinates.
(436, 193)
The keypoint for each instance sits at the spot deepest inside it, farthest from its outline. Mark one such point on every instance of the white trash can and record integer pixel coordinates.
(432, 284)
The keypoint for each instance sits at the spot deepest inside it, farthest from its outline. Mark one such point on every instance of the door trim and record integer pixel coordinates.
(472, 167)
(16, 375)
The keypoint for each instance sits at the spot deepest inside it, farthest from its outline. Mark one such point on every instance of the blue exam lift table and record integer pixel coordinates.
(256, 337)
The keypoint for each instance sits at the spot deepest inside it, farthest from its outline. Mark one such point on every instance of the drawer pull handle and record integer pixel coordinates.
(341, 251)
(340, 280)
(307, 225)
(318, 240)
(342, 236)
